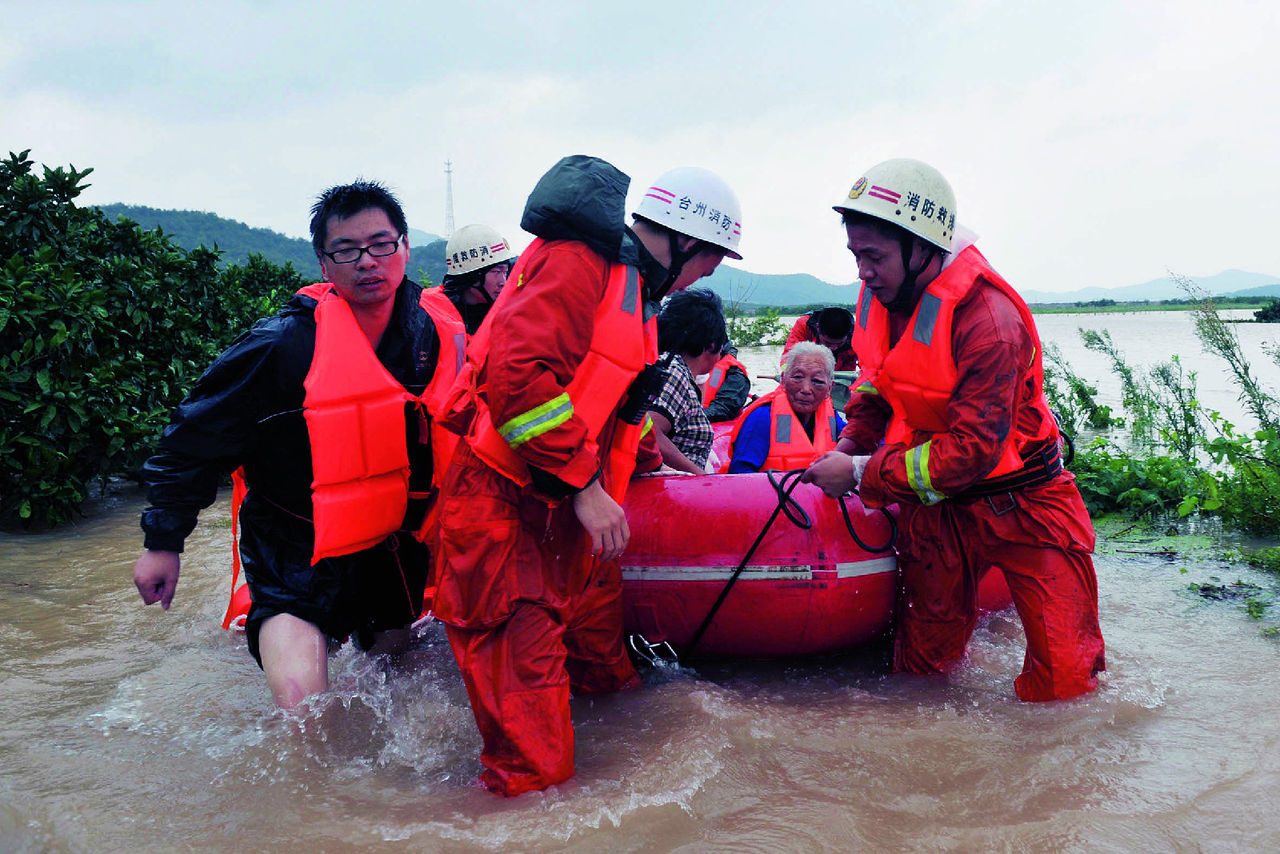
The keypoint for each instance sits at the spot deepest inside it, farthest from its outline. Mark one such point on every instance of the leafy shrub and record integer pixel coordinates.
(1250, 482)
(1073, 399)
(761, 330)
(103, 329)
(1111, 481)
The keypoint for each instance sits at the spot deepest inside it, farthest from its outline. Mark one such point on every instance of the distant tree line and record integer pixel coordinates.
(235, 241)
(1268, 313)
(104, 327)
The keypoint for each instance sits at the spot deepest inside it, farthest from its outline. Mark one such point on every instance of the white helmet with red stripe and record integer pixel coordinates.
(697, 203)
(474, 247)
(909, 194)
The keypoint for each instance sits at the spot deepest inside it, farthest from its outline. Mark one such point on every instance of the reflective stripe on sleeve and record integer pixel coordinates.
(917, 460)
(537, 421)
(867, 388)
(648, 425)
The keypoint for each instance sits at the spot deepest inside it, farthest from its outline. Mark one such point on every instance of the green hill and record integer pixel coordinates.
(736, 287)
(238, 241)
(756, 290)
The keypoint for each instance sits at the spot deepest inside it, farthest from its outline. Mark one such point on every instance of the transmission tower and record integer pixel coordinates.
(448, 198)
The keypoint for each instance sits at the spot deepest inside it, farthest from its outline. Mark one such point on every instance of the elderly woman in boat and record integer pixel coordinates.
(793, 424)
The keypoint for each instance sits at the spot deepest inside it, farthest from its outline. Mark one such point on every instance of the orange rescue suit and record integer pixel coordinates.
(531, 615)
(978, 407)
(623, 343)
(917, 375)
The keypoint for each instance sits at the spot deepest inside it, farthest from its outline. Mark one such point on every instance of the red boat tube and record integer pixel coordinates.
(802, 591)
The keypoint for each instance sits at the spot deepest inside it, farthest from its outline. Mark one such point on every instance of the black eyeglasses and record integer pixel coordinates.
(352, 254)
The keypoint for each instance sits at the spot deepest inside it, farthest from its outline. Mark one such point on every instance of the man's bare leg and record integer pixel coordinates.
(295, 657)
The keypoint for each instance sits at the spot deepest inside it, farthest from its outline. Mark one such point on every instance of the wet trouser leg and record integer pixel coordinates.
(1056, 594)
(597, 657)
(937, 607)
(1030, 538)
(519, 690)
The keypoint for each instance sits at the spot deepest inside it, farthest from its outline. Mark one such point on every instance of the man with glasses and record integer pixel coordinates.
(317, 408)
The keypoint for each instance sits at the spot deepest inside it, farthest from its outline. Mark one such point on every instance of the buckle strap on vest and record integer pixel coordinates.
(1041, 466)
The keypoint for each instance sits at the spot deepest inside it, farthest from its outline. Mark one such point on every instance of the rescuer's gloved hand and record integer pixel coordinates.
(859, 468)
(833, 474)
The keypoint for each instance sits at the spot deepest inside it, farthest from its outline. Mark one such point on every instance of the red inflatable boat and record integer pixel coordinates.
(803, 590)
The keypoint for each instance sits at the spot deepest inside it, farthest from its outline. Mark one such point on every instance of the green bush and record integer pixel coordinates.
(1112, 481)
(1268, 313)
(1073, 399)
(760, 330)
(1250, 481)
(103, 329)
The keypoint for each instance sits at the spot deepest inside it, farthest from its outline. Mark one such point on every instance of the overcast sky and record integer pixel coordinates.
(1101, 145)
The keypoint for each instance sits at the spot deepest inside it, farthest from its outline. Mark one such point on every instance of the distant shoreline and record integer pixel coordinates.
(1232, 303)
(1092, 307)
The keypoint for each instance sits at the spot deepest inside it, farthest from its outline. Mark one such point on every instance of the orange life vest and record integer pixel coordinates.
(323, 405)
(716, 378)
(789, 445)
(355, 414)
(623, 343)
(453, 352)
(917, 375)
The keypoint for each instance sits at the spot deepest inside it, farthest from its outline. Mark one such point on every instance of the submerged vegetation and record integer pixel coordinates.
(1166, 453)
(1110, 306)
(753, 328)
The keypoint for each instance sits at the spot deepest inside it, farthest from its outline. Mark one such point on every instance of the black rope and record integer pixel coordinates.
(893, 530)
(783, 488)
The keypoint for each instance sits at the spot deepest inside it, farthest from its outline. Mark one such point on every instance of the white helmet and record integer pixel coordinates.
(909, 194)
(474, 247)
(697, 203)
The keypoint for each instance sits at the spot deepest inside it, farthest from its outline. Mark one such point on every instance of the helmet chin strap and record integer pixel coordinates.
(678, 259)
(479, 288)
(478, 285)
(905, 300)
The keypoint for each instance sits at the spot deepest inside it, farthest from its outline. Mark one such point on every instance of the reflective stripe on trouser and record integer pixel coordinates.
(1043, 546)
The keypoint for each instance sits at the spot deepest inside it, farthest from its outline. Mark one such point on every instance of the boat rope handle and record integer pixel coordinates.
(784, 487)
(848, 524)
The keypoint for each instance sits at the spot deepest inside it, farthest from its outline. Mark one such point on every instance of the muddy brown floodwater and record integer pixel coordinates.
(125, 728)
(128, 728)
